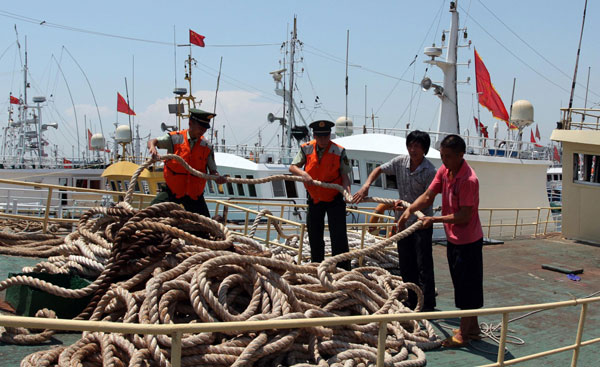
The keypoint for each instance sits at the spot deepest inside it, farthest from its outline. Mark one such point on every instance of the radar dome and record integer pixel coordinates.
(343, 126)
(522, 113)
(97, 142)
(123, 134)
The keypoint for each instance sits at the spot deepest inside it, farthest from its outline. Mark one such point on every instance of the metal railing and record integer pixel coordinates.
(542, 219)
(46, 207)
(568, 114)
(175, 331)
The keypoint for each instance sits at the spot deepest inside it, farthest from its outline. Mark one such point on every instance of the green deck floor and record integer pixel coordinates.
(512, 276)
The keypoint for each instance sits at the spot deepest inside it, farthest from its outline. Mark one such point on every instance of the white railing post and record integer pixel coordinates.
(579, 334)
(381, 344)
(176, 349)
(301, 243)
(502, 343)
(537, 221)
(47, 214)
(362, 244)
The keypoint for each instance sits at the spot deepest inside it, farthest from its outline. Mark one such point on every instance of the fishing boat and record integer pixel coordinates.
(516, 264)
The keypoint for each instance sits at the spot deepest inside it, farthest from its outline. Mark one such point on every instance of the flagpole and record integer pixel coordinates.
(175, 55)
(586, 95)
(87, 149)
(128, 115)
(347, 48)
(576, 65)
(216, 94)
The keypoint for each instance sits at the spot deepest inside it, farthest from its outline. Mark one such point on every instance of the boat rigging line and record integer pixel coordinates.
(44, 23)
(89, 85)
(577, 59)
(73, 104)
(528, 45)
(517, 57)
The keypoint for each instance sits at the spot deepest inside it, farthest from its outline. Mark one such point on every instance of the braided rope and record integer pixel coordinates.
(165, 265)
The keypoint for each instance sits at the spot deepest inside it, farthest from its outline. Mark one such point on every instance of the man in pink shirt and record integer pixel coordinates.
(459, 186)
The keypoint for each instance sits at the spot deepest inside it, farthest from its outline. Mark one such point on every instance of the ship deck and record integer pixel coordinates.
(512, 276)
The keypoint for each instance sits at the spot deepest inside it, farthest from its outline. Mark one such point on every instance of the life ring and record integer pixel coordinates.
(379, 209)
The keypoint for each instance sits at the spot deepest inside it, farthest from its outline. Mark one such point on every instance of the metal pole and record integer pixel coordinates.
(587, 87)
(365, 105)
(216, 94)
(502, 344)
(347, 47)
(577, 59)
(175, 55)
(382, 335)
(579, 334)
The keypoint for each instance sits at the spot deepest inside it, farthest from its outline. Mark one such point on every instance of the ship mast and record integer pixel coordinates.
(291, 118)
(448, 122)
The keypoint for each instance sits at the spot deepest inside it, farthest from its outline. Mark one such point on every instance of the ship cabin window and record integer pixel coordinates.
(230, 191)
(119, 186)
(145, 187)
(240, 187)
(290, 187)
(220, 189)
(586, 169)
(63, 196)
(251, 187)
(278, 188)
(210, 186)
(370, 168)
(113, 185)
(355, 171)
(95, 184)
(126, 184)
(159, 187)
(81, 182)
(137, 186)
(390, 182)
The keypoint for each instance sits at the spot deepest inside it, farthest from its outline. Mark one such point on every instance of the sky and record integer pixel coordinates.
(534, 41)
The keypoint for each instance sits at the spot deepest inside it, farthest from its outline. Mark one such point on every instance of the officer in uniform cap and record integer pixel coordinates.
(323, 160)
(190, 144)
(201, 117)
(321, 127)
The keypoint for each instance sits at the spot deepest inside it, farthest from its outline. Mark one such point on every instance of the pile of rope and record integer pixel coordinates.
(386, 259)
(163, 264)
(26, 238)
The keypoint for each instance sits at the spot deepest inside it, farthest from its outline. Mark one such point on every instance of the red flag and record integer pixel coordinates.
(556, 155)
(67, 163)
(196, 39)
(484, 130)
(481, 128)
(122, 106)
(488, 97)
(89, 139)
(476, 125)
(537, 132)
(14, 100)
(533, 139)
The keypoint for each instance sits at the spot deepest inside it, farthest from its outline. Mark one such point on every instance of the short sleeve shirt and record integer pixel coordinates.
(411, 185)
(462, 190)
(300, 160)
(165, 142)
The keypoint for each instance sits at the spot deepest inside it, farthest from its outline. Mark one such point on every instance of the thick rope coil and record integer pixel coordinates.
(165, 265)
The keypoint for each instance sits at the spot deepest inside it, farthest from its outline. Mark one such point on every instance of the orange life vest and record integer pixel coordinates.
(179, 180)
(327, 170)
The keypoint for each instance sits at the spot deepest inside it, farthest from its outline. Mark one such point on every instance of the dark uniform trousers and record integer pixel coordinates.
(336, 214)
(195, 206)
(416, 266)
